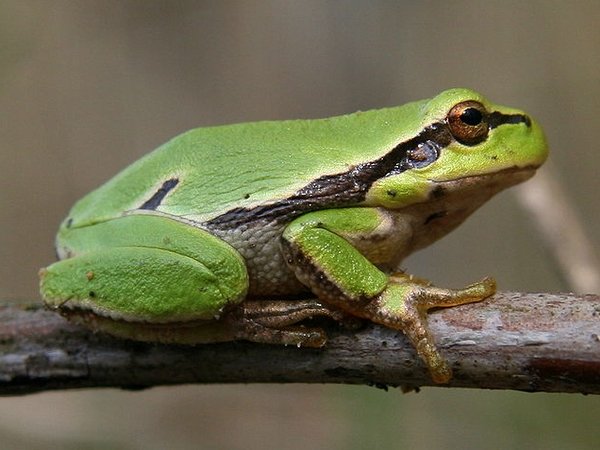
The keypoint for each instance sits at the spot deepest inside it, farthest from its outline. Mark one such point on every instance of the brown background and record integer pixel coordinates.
(87, 87)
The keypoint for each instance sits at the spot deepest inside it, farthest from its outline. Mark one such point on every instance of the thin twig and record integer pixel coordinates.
(562, 230)
(531, 342)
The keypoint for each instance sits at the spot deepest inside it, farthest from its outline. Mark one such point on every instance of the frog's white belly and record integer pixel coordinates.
(261, 249)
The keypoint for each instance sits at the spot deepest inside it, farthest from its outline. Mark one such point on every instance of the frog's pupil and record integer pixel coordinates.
(471, 116)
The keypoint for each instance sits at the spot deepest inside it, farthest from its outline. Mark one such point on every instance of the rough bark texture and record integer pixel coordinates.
(530, 342)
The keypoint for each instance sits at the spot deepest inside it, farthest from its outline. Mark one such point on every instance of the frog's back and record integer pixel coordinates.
(206, 172)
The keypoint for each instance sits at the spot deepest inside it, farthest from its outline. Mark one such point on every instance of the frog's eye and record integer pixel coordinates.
(468, 122)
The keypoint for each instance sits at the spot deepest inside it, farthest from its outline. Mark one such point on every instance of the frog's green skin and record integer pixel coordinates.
(211, 236)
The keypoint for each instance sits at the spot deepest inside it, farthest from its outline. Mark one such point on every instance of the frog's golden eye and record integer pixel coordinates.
(468, 122)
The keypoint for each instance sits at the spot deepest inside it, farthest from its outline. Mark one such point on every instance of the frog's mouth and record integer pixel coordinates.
(495, 181)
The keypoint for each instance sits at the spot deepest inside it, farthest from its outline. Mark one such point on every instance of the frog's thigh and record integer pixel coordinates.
(318, 248)
(150, 269)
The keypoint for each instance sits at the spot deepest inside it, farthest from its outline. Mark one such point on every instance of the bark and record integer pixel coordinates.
(529, 342)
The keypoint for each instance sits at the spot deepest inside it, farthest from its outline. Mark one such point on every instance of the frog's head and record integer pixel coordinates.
(465, 150)
(463, 141)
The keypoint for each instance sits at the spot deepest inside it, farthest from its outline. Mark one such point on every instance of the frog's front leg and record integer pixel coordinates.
(321, 248)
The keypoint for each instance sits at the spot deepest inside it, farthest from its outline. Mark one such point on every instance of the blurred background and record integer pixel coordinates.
(87, 87)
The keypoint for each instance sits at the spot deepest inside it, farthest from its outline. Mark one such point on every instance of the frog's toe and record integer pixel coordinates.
(435, 297)
(298, 336)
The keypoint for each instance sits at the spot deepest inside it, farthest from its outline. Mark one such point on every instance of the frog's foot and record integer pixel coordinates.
(278, 322)
(267, 322)
(403, 305)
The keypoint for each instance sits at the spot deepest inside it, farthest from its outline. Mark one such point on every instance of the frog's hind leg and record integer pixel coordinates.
(283, 313)
(144, 269)
(278, 321)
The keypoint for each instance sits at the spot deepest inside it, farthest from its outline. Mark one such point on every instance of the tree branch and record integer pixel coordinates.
(531, 342)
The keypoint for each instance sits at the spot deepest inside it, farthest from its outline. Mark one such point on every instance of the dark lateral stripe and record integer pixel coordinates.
(349, 188)
(335, 190)
(153, 202)
(496, 118)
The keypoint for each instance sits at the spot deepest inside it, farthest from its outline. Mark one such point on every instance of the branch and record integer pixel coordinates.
(530, 342)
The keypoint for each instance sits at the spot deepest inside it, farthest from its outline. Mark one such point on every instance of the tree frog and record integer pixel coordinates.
(249, 231)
